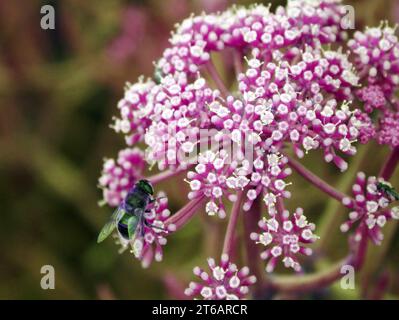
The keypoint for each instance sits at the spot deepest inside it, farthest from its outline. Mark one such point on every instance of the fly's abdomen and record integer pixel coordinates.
(122, 226)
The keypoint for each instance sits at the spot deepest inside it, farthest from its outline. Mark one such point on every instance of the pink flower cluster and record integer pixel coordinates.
(268, 179)
(177, 110)
(285, 237)
(389, 129)
(119, 176)
(369, 208)
(291, 95)
(213, 179)
(289, 106)
(376, 56)
(224, 282)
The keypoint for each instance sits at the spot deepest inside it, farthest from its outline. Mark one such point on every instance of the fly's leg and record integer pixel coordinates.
(142, 231)
(141, 225)
(153, 226)
(152, 200)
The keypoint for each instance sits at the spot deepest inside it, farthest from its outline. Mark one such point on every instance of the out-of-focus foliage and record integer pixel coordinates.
(58, 93)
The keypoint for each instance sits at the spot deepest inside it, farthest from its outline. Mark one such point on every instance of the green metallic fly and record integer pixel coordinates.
(129, 218)
(387, 188)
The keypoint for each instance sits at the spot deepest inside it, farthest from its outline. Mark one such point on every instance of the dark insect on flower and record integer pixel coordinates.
(388, 190)
(129, 218)
(158, 74)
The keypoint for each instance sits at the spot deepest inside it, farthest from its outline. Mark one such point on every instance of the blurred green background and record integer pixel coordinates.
(58, 92)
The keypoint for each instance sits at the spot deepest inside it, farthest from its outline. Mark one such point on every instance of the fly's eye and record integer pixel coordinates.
(150, 189)
(146, 187)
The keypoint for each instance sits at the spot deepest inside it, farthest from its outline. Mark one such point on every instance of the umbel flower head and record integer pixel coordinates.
(292, 84)
(224, 281)
(376, 55)
(119, 176)
(285, 237)
(389, 129)
(369, 208)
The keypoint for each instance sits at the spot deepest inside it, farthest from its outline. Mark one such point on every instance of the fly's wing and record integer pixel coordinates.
(392, 192)
(139, 213)
(110, 225)
(132, 226)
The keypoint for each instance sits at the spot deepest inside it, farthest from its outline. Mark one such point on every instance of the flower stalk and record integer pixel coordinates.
(210, 66)
(390, 165)
(182, 216)
(309, 282)
(316, 181)
(232, 225)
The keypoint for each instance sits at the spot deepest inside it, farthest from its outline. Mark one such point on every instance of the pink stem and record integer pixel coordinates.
(237, 58)
(231, 227)
(159, 177)
(280, 205)
(390, 165)
(104, 292)
(174, 287)
(250, 220)
(315, 180)
(361, 251)
(381, 287)
(310, 282)
(185, 213)
(216, 78)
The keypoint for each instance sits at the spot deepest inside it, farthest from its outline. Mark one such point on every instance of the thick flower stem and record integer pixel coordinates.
(332, 218)
(210, 66)
(361, 251)
(250, 221)
(280, 205)
(238, 67)
(381, 287)
(307, 283)
(174, 287)
(390, 165)
(376, 256)
(315, 180)
(159, 177)
(231, 227)
(185, 213)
